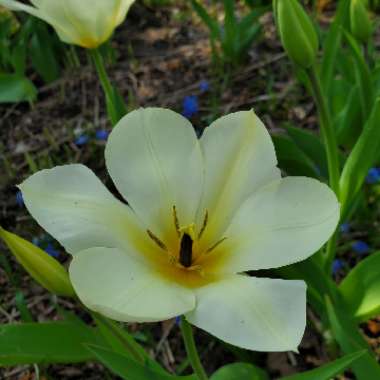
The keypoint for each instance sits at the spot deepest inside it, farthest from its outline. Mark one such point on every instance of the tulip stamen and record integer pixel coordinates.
(205, 220)
(157, 240)
(215, 245)
(176, 221)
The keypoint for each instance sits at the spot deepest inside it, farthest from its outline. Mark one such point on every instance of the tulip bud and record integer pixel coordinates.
(361, 26)
(47, 271)
(297, 32)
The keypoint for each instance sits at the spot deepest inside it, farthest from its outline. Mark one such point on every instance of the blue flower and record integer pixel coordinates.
(204, 86)
(337, 265)
(190, 106)
(101, 134)
(373, 176)
(81, 140)
(360, 247)
(177, 320)
(51, 251)
(19, 199)
(345, 227)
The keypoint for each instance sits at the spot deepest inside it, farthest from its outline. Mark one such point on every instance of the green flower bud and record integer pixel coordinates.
(47, 271)
(297, 32)
(361, 26)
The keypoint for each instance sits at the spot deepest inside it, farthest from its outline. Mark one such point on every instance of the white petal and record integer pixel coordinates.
(239, 158)
(155, 160)
(284, 222)
(259, 314)
(73, 205)
(112, 283)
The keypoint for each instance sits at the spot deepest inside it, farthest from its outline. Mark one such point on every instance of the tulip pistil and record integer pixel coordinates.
(186, 251)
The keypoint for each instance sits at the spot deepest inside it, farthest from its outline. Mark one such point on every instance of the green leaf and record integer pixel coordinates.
(361, 158)
(363, 75)
(311, 145)
(128, 369)
(52, 342)
(361, 288)
(123, 343)
(349, 121)
(332, 44)
(22, 307)
(292, 159)
(239, 371)
(15, 88)
(350, 340)
(207, 19)
(42, 54)
(329, 370)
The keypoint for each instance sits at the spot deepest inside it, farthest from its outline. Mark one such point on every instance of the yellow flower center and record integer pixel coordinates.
(188, 261)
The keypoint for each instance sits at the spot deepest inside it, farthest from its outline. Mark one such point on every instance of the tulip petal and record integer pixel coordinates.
(283, 223)
(120, 287)
(259, 314)
(155, 160)
(239, 158)
(72, 204)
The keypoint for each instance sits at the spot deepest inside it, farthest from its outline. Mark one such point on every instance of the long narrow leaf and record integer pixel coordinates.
(207, 19)
(53, 342)
(329, 370)
(127, 368)
(350, 340)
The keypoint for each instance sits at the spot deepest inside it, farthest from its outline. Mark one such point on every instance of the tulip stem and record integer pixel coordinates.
(115, 106)
(331, 146)
(191, 349)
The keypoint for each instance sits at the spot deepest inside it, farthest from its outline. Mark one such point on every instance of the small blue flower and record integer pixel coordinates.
(81, 140)
(345, 228)
(190, 106)
(51, 251)
(19, 199)
(101, 135)
(373, 176)
(337, 265)
(177, 320)
(360, 247)
(204, 86)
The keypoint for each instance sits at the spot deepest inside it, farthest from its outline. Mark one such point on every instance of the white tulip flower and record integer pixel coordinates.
(87, 23)
(200, 213)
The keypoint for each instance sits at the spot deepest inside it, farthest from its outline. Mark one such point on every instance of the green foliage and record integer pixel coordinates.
(128, 369)
(239, 371)
(234, 37)
(362, 157)
(292, 159)
(350, 340)
(361, 288)
(361, 26)
(52, 342)
(16, 88)
(329, 370)
(22, 44)
(297, 32)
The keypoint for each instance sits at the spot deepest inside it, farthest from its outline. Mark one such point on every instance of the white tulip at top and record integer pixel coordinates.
(87, 23)
(200, 213)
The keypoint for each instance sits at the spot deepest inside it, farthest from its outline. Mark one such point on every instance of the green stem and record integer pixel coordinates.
(331, 146)
(191, 349)
(115, 111)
